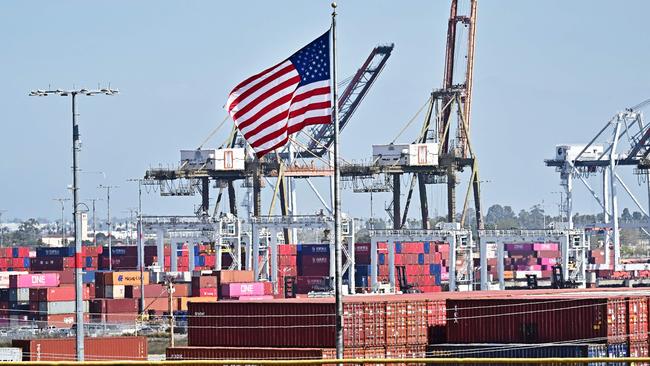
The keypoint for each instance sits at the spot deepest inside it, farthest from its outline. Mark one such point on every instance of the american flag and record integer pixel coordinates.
(270, 106)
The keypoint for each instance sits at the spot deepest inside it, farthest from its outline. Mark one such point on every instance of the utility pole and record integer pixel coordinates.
(141, 242)
(108, 222)
(61, 201)
(76, 147)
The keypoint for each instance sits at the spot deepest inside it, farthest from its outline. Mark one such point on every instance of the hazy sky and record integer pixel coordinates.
(546, 72)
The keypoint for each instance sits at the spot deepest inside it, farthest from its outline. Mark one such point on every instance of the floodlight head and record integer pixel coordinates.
(64, 94)
(83, 91)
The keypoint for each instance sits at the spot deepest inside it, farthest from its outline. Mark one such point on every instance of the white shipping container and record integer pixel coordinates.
(423, 154)
(4, 277)
(59, 307)
(19, 294)
(214, 159)
(520, 275)
(159, 277)
(11, 354)
(114, 292)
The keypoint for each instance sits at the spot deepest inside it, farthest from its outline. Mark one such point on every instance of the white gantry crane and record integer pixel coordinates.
(623, 141)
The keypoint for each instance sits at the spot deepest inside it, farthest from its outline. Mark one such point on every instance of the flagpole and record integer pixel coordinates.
(338, 294)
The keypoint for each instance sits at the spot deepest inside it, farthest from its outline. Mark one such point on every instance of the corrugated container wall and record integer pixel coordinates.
(535, 320)
(96, 349)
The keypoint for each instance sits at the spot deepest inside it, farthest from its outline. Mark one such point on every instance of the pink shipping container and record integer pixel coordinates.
(545, 246)
(243, 289)
(34, 280)
(255, 298)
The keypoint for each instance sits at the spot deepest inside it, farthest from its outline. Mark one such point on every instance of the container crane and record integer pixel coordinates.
(623, 141)
(448, 122)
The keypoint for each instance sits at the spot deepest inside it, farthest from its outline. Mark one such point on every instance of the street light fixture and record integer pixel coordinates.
(76, 147)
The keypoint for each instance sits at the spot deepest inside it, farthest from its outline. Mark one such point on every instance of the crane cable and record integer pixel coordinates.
(213, 132)
(411, 120)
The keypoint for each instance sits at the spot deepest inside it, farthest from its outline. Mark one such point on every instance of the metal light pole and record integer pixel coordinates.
(141, 244)
(61, 200)
(338, 290)
(108, 222)
(76, 147)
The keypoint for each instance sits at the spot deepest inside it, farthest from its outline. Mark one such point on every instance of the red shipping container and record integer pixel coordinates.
(248, 324)
(638, 349)
(159, 305)
(114, 306)
(210, 261)
(207, 292)
(62, 293)
(182, 289)
(115, 318)
(287, 249)
(637, 317)
(234, 276)
(91, 290)
(58, 320)
(63, 349)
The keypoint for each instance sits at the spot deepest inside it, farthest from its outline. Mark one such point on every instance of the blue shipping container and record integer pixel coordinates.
(515, 350)
(314, 248)
(427, 247)
(14, 252)
(55, 252)
(420, 259)
(436, 271)
(382, 258)
(398, 247)
(26, 262)
(616, 350)
(200, 261)
(88, 277)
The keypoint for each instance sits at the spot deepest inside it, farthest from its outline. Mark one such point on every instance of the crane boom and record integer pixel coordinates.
(323, 135)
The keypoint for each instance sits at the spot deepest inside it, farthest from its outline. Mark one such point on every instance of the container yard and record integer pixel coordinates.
(251, 211)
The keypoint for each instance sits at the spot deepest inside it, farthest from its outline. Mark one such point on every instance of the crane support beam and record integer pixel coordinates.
(396, 202)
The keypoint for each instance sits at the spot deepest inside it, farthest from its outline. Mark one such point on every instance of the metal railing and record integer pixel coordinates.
(355, 361)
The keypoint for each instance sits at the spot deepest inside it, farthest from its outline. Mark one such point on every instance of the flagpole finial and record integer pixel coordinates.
(334, 4)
